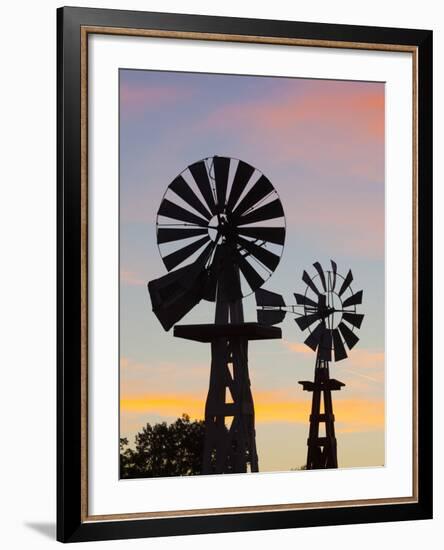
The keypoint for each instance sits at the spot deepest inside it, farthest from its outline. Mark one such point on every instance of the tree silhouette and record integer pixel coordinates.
(164, 450)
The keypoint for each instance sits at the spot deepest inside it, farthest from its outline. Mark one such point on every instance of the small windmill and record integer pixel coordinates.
(328, 310)
(220, 232)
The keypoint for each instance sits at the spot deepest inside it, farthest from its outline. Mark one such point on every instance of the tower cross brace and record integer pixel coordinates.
(322, 449)
(230, 435)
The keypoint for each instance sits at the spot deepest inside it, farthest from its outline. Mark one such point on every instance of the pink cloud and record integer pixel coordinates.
(333, 124)
(354, 225)
(340, 105)
(136, 98)
(337, 104)
(130, 278)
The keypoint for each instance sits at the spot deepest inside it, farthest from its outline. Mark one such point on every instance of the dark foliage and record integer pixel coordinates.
(164, 450)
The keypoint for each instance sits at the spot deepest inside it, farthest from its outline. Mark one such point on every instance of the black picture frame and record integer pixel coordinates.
(72, 524)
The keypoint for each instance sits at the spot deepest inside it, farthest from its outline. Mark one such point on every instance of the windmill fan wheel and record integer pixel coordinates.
(330, 312)
(223, 217)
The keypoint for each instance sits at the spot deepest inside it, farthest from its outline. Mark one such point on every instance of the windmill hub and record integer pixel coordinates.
(329, 309)
(325, 312)
(220, 229)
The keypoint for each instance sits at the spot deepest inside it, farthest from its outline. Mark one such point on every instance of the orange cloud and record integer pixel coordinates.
(124, 362)
(163, 376)
(338, 122)
(338, 105)
(163, 404)
(297, 347)
(270, 406)
(367, 358)
(343, 106)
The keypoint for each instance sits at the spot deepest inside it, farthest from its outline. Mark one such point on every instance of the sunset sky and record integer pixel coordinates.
(321, 144)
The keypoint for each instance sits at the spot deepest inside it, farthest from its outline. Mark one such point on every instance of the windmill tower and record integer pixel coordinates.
(328, 310)
(221, 232)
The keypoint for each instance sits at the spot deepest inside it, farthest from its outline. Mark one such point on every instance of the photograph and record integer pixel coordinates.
(244, 273)
(218, 275)
(251, 274)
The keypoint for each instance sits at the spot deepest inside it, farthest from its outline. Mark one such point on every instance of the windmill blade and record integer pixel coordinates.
(253, 278)
(167, 235)
(307, 280)
(320, 271)
(213, 275)
(325, 346)
(306, 320)
(334, 271)
(243, 174)
(200, 262)
(354, 319)
(349, 336)
(200, 175)
(270, 317)
(340, 352)
(269, 211)
(208, 284)
(267, 298)
(269, 259)
(304, 301)
(184, 191)
(353, 300)
(260, 190)
(346, 283)
(271, 234)
(171, 210)
(221, 169)
(314, 337)
(177, 257)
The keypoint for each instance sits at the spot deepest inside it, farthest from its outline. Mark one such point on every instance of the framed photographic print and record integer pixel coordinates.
(245, 274)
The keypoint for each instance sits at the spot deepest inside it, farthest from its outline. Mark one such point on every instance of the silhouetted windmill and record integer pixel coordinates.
(328, 310)
(221, 232)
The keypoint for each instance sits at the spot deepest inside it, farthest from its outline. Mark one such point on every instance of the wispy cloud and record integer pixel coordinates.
(270, 406)
(159, 377)
(297, 347)
(367, 358)
(331, 122)
(131, 278)
(365, 364)
(333, 102)
(137, 98)
(328, 140)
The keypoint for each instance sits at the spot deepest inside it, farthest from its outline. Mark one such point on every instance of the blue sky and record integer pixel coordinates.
(321, 144)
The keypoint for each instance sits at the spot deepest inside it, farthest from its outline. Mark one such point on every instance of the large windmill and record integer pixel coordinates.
(221, 232)
(327, 309)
